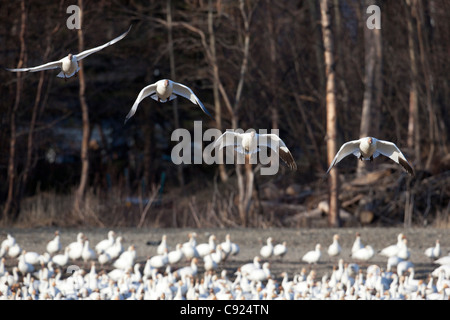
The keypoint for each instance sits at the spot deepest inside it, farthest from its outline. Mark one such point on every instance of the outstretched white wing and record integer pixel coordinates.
(148, 90)
(228, 138)
(88, 52)
(275, 143)
(390, 150)
(186, 92)
(47, 66)
(346, 149)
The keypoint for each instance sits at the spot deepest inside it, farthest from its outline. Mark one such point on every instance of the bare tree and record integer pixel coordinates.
(12, 204)
(333, 187)
(173, 76)
(215, 71)
(372, 82)
(81, 191)
(413, 141)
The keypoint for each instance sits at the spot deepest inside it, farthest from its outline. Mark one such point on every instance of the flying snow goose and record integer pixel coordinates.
(69, 64)
(248, 143)
(54, 245)
(434, 252)
(334, 249)
(105, 243)
(267, 250)
(369, 148)
(314, 255)
(165, 90)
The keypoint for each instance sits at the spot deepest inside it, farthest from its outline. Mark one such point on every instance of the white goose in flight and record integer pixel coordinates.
(249, 142)
(69, 64)
(369, 148)
(165, 90)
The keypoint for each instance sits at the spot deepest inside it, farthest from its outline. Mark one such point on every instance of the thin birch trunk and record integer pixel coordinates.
(333, 215)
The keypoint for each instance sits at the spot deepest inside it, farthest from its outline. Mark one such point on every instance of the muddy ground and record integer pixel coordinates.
(251, 240)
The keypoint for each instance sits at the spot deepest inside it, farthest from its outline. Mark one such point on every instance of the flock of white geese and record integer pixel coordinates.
(197, 271)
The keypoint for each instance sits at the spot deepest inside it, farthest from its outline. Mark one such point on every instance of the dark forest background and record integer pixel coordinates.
(68, 159)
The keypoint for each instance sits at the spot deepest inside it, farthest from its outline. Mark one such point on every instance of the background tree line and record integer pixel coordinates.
(311, 69)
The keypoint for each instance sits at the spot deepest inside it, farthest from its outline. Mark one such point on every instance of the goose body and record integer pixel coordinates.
(248, 143)
(165, 90)
(369, 148)
(69, 64)
(312, 257)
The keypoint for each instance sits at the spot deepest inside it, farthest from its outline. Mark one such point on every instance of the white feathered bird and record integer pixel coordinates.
(165, 90)
(248, 143)
(69, 64)
(369, 148)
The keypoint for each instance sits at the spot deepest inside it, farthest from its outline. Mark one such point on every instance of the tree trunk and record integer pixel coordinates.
(413, 141)
(333, 215)
(373, 82)
(318, 47)
(215, 69)
(12, 205)
(81, 191)
(173, 76)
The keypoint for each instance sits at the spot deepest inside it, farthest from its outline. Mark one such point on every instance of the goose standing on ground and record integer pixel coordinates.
(312, 257)
(267, 250)
(116, 249)
(204, 249)
(189, 248)
(392, 250)
(369, 148)
(15, 250)
(88, 254)
(188, 271)
(334, 248)
(364, 254)
(280, 249)
(9, 241)
(62, 259)
(357, 244)
(163, 246)
(248, 143)
(248, 267)
(103, 245)
(165, 90)
(76, 247)
(24, 266)
(434, 252)
(54, 245)
(69, 64)
(229, 247)
(176, 255)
